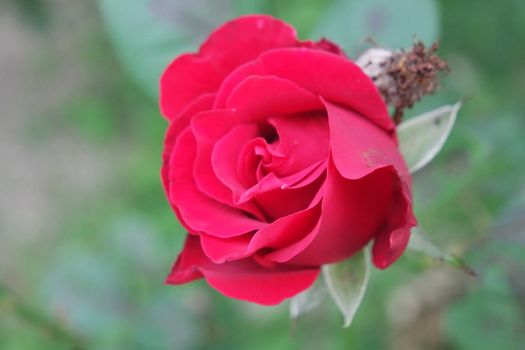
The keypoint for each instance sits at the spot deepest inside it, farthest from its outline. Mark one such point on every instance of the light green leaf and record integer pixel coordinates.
(308, 299)
(422, 137)
(148, 34)
(392, 23)
(420, 242)
(347, 282)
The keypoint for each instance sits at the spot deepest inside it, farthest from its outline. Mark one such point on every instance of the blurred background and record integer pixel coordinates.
(87, 237)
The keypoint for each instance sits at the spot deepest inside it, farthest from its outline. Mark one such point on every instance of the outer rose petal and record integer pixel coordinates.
(220, 250)
(359, 148)
(352, 213)
(392, 241)
(176, 127)
(243, 279)
(229, 46)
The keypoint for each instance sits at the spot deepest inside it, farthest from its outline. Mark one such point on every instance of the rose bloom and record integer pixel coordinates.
(280, 157)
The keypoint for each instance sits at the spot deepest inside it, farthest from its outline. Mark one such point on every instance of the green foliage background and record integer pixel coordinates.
(97, 281)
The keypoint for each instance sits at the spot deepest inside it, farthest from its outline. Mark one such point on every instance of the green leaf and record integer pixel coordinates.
(422, 137)
(308, 299)
(347, 282)
(391, 23)
(148, 34)
(420, 242)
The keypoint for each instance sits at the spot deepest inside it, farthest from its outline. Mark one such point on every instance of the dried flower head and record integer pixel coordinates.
(404, 77)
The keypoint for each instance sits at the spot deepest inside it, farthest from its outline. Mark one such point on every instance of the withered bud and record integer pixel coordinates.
(404, 77)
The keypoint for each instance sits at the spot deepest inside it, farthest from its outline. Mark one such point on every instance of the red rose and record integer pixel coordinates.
(280, 157)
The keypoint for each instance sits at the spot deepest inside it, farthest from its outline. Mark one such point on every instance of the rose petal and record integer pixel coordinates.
(358, 149)
(296, 230)
(272, 182)
(287, 230)
(225, 129)
(358, 146)
(268, 95)
(304, 139)
(249, 164)
(204, 102)
(393, 239)
(283, 201)
(220, 250)
(293, 161)
(323, 44)
(242, 279)
(185, 79)
(225, 156)
(279, 234)
(197, 211)
(208, 128)
(236, 77)
(335, 78)
(352, 213)
(229, 46)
